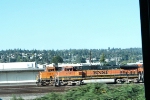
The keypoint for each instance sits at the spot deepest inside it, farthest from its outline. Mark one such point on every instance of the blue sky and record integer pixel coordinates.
(65, 24)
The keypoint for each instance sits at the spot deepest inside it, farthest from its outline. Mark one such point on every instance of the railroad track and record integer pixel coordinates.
(31, 89)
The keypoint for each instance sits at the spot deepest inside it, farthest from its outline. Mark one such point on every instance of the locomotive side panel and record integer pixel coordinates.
(69, 75)
(47, 75)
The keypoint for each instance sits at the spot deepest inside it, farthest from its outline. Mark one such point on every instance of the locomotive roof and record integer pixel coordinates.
(129, 66)
(68, 67)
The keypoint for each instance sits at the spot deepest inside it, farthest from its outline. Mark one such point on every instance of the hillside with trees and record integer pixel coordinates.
(122, 56)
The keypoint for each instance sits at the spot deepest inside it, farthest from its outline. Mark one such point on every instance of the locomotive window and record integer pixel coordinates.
(49, 70)
(68, 69)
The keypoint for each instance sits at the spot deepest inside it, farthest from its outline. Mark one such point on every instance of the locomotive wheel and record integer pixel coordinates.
(38, 84)
(118, 81)
(61, 83)
(43, 84)
(57, 83)
(78, 83)
(47, 84)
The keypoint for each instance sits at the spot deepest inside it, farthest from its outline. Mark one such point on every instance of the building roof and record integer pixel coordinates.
(21, 69)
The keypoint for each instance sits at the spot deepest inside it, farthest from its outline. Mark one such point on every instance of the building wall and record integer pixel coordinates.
(18, 76)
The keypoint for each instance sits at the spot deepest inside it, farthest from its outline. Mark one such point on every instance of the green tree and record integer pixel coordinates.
(57, 59)
(102, 58)
(80, 59)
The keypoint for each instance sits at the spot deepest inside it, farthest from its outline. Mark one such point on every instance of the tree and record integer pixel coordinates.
(57, 59)
(80, 59)
(102, 58)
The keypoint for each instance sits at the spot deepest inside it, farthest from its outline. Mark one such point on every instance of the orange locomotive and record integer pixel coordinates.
(47, 77)
(71, 76)
(78, 75)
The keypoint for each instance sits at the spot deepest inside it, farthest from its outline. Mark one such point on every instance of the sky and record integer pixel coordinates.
(69, 24)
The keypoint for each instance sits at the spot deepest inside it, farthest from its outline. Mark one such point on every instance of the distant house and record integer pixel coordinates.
(107, 60)
(112, 63)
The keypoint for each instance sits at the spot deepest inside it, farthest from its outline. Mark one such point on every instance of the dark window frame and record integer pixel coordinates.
(145, 36)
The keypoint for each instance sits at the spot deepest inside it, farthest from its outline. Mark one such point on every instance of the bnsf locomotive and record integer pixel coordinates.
(77, 75)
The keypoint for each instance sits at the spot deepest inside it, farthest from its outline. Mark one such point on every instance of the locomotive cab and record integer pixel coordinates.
(47, 77)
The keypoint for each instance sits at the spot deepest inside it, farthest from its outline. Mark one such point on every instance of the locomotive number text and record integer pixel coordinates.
(100, 72)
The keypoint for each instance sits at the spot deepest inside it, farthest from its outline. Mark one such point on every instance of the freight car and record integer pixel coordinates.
(78, 75)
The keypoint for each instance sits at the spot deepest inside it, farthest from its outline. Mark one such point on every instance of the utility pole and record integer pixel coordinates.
(35, 57)
(90, 58)
(9, 57)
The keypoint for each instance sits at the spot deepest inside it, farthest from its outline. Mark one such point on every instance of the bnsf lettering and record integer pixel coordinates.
(100, 72)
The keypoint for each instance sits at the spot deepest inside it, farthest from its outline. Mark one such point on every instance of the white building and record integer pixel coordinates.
(134, 63)
(18, 65)
(19, 72)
